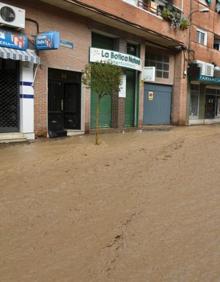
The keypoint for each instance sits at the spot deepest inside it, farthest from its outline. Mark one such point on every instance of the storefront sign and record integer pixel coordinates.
(13, 40)
(66, 43)
(122, 91)
(48, 40)
(119, 59)
(209, 79)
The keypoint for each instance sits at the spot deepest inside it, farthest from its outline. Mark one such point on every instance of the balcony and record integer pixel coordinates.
(164, 8)
(158, 6)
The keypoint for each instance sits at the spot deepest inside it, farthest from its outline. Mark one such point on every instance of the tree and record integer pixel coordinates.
(103, 79)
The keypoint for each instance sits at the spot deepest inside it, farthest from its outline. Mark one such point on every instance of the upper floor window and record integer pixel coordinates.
(161, 62)
(217, 43)
(133, 49)
(201, 36)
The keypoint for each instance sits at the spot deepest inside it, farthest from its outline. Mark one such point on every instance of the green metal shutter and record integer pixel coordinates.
(130, 98)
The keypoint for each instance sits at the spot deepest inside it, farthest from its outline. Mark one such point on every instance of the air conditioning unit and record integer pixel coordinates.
(206, 68)
(12, 16)
(149, 73)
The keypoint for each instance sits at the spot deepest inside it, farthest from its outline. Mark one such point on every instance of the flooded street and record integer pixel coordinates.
(140, 207)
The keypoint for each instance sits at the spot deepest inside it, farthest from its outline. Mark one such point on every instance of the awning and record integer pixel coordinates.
(25, 56)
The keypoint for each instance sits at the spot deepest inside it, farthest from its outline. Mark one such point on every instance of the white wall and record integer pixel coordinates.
(26, 100)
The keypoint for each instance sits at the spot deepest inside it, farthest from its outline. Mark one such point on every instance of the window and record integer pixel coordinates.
(161, 62)
(201, 36)
(194, 101)
(218, 106)
(133, 49)
(217, 44)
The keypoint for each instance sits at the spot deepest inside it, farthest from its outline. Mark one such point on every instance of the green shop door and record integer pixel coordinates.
(105, 115)
(130, 98)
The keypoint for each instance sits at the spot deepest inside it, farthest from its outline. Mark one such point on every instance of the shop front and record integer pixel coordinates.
(17, 64)
(204, 102)
(120, 111)
(64, 102)
(158, 87)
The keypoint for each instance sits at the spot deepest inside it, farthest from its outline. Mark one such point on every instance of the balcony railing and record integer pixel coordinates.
(156, 6)
(164, 8)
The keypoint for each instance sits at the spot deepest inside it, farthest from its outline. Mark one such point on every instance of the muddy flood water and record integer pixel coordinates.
(140, 207)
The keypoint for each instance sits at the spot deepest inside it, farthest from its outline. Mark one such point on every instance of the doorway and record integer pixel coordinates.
(157, 104)
(210, 107)
(64, 102)
(130, 98)
(9, 96)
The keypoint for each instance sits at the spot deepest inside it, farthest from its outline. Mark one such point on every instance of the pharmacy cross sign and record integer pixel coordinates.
(116, 58)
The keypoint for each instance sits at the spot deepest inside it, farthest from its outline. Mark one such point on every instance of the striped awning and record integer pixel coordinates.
(25, 56)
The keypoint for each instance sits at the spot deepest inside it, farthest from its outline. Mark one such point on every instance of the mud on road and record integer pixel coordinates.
(140, 207)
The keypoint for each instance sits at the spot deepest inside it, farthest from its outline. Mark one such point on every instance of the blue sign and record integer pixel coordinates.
(48, 40)
(66, 43)
(13, 40)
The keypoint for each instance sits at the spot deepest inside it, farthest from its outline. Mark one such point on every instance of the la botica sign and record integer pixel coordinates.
(116, 58)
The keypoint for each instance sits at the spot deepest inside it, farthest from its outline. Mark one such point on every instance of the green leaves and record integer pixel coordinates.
(104, 79)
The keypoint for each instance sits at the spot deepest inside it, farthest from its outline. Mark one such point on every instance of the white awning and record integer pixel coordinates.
(25, 56)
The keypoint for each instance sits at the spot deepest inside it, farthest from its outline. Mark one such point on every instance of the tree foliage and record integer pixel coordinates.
(103, 79)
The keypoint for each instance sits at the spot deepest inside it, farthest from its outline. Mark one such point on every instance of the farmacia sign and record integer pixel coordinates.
(116, 58)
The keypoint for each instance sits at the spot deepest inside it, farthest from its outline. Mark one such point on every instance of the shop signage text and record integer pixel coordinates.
(209, 79)
(119, 59)
(122, 91)
(48, 40)
(66, 43)
(13, 40)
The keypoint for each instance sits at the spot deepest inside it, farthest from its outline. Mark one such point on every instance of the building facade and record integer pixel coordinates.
(204, 70)
(145, 38)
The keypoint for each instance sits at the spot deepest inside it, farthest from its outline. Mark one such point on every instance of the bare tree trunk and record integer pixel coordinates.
(97, 141)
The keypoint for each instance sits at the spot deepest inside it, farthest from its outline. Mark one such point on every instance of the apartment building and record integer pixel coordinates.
(204, 71)
(147, 39)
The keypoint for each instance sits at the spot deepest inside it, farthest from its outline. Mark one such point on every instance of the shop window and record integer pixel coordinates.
(201, 37)
(194, 101)
(218, 106)
(194, 106)
(161, 62)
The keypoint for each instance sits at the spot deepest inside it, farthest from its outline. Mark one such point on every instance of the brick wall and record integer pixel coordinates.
(71, 27)
(78, 30)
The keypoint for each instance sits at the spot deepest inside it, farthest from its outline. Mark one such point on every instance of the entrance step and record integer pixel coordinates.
(13, 137)
(157, 127)
(74, 132)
